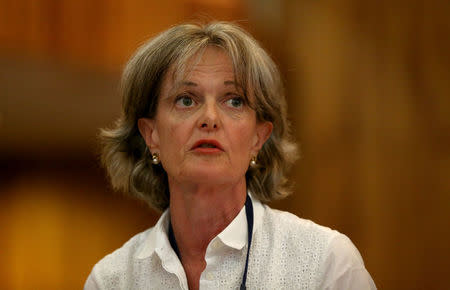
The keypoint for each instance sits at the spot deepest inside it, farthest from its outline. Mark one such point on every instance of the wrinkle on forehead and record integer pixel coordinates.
(179, 72)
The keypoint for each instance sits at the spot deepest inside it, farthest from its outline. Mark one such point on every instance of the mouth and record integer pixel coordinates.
(207, 145)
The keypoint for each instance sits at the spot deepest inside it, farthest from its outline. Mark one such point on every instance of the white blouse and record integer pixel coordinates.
(286, 252)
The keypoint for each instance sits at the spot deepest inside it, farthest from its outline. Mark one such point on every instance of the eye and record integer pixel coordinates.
(184, 101)
(236, 102)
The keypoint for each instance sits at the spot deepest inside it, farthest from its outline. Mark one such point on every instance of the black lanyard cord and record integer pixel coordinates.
(249, 214)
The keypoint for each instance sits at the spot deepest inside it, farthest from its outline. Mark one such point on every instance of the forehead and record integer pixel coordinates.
(210, 60)
(213, 57)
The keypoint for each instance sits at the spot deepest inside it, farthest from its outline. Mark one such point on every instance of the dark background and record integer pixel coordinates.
(369, 99)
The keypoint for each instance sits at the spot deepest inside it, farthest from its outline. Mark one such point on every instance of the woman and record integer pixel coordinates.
(204, 138)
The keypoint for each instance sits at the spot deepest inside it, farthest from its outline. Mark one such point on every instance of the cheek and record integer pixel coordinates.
(176, 135)
(244, 137)
(171, 147)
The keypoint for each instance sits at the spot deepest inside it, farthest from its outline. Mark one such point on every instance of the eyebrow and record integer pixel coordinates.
(188, 83)
(230, 83)
(192, 84)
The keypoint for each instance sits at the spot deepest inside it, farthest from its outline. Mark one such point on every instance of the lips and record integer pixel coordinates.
(207, 144)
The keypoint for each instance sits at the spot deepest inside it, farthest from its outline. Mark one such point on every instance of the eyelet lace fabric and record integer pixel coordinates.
(286, 253)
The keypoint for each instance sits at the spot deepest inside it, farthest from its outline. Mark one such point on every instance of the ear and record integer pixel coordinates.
(263, 131)
(149, 132)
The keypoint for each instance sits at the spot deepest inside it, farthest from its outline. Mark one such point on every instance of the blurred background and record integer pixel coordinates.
(369, 99)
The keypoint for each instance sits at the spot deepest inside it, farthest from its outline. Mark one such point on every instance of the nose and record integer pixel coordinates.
(209, 119)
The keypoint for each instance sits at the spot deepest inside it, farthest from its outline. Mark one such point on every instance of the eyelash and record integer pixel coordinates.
(184, 96)
(229, 97)
(236, 97)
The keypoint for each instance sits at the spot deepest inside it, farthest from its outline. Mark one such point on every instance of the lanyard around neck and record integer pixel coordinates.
(249, 214)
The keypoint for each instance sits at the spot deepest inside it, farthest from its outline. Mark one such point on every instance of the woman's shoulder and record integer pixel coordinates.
(329, 253)
(111, 269)
(129, 249)
(302, 232)
(288, 225)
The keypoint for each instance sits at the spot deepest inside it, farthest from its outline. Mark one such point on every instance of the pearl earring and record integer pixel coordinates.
(253, 162)
(155, 158)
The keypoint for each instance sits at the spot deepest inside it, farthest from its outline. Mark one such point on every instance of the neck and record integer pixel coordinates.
(200, 212)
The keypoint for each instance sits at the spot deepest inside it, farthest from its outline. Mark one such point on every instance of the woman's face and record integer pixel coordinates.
(204, 129)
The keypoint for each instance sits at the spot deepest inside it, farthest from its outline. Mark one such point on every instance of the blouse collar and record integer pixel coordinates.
(233, 236)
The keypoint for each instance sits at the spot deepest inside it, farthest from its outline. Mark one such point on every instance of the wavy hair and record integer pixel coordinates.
(124, 153)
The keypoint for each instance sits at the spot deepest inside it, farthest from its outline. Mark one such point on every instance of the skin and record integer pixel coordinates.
(207, 186)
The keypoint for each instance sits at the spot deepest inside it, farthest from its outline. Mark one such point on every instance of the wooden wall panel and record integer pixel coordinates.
(98, 34)
(369, 94)
(58, 220)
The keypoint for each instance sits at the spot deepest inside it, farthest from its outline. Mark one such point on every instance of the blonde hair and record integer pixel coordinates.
(124, 152)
